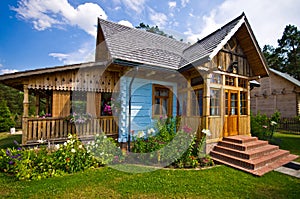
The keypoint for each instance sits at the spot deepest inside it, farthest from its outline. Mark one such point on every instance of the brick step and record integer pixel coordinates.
(249, 164)
(243, 147)
(249, 154)
(240, 139)
(263, 170)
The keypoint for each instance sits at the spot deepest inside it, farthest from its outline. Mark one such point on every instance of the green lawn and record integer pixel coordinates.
(217, 182)
(289, 142)
(7, 140)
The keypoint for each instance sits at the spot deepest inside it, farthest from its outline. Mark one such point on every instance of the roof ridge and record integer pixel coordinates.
(285, 76)
(214, 32)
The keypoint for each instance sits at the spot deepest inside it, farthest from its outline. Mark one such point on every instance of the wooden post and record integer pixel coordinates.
(37, 104)
(206, 101)
(25, 113)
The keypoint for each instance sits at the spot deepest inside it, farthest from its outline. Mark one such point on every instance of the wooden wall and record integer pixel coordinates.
(87, 79)
(275, 93)
(61, 103)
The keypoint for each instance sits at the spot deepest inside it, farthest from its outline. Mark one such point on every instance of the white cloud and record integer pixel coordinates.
(6, 71)
(172, 4)
(159, 19)
(125, 23)
(135, 5)
(86, 53)
(48, 13)
(184, 2)
(1, 65)
(267, 18)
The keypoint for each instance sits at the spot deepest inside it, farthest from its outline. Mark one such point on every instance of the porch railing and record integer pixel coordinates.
(53, 129)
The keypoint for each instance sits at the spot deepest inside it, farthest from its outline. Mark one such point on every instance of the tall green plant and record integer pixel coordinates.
(6, 122)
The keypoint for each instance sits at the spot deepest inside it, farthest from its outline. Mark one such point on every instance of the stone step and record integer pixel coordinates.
(243, 147)
(249, 164)
(263, 170)
(249, 154)
(240, 139)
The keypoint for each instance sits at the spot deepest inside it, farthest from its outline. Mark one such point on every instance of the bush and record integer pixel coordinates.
(104, 149)
(167, 145)
(264, 127)
(6, 122)
(38, 163)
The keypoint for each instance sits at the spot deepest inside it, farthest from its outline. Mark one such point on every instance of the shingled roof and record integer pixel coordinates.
(286, 76)
(138, 46)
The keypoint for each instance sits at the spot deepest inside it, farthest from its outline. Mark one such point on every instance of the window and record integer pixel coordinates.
(215, 102)
(197, 103)
(243, 105)
(229, 81)
(162, 101)
(106, 109)
(243, 83)
(216, 78)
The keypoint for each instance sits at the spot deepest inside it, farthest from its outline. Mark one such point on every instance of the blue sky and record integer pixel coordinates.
(45, 33)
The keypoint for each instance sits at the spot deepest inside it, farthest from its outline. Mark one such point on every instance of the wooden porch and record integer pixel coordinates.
(56, 129)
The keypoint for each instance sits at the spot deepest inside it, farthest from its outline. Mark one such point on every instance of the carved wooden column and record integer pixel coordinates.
(25, 113)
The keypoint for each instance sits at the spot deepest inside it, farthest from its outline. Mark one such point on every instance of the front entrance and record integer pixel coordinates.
(231, 113)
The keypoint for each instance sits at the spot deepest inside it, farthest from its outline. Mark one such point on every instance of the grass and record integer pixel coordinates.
(289, 142)
(7, 140)
(217, 182)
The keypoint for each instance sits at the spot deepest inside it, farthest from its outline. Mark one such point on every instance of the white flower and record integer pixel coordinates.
(65, 144)
(80, 146)
(206, 132)
(68, 141)
(41, 141)
(70, 136)
(73, 150)
(57, 146)
(150, 131)
(105, 137)
(141, 134)
(273, 123)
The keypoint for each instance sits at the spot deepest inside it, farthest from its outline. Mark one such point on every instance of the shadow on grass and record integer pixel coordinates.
(7, 140)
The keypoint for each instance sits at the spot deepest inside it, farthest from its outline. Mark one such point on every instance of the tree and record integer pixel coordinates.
(6, 122)
(153, 29)
(289, 50)
(286, 57)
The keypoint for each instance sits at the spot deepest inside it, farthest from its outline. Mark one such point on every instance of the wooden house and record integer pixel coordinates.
(148, 76)
(278, 92)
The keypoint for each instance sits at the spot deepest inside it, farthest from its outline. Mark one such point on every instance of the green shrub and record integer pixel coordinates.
(6, 121)
(264, 127)
(104, 149)
(38, 163)
(169, 145)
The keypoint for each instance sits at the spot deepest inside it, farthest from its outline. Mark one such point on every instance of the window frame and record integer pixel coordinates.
(169, 111)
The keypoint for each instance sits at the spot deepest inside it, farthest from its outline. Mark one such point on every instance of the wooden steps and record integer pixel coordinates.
(250, 154)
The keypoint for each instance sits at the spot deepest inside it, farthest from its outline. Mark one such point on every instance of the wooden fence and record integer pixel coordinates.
(289, 124)
(55, 129)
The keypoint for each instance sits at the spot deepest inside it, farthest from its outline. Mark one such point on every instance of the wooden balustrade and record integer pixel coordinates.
(53, 129)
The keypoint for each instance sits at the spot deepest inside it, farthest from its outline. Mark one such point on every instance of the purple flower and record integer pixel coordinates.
(19, 148)
(11, 162)
(8, 152)
(16, 143)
